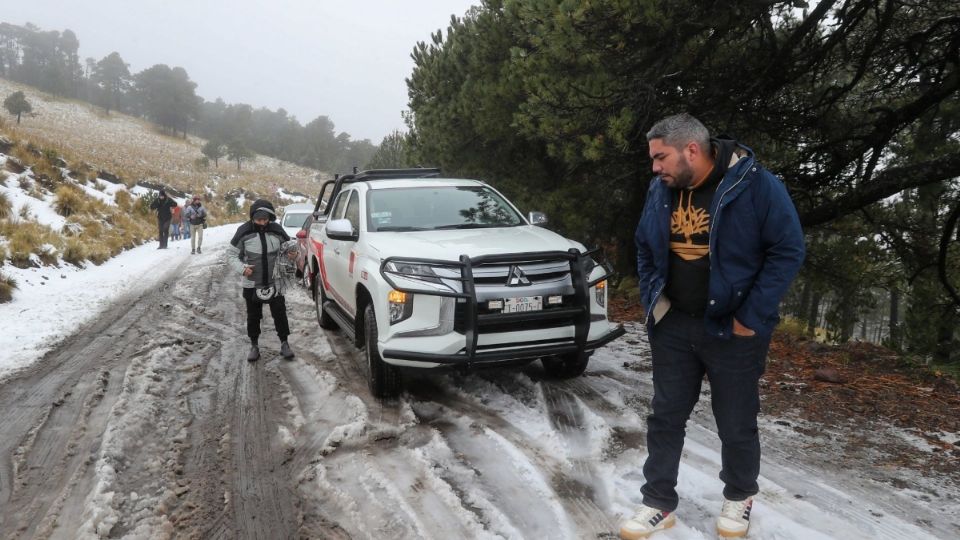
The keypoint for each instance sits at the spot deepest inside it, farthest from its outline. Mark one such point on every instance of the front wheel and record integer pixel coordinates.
(566, 366)
(383, 379)
(323, 318)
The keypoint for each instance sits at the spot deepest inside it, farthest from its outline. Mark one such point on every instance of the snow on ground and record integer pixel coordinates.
(51, 303)
(797, 502)
(40, 210)
(126, 145)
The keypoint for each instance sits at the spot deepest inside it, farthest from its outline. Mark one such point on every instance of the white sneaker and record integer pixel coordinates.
(645, 522)
(734, 520)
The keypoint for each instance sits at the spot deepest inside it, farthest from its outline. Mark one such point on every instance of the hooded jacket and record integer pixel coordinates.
(259, 247)
(195, 214)
(756, 248)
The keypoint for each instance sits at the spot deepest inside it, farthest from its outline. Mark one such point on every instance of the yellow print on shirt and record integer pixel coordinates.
(688, 221)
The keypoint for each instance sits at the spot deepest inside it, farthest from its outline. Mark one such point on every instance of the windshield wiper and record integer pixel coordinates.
(400, 229)
(472, 226)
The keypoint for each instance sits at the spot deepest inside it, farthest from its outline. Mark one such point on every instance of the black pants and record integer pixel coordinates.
(682, 354)
(278, 309)
(164, 225)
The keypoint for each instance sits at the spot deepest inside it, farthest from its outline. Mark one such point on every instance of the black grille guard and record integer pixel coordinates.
(429, 283)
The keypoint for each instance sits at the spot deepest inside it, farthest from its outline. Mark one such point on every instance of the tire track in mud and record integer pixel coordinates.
(55, 412)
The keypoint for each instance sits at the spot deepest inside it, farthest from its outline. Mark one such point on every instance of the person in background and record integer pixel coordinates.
(184, 224)
(164, 206)
(718, 243)
(254, 253)
(196, 216)
(175, 221)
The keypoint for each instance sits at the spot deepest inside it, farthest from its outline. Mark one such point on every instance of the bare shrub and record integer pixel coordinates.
(75, 252)
(69, 201)
(7, 285)
(6, 207)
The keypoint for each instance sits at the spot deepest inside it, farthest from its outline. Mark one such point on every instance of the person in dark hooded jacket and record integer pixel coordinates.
(164, 206)
(254, 253)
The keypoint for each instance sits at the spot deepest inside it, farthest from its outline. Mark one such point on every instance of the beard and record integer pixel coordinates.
(683, 177)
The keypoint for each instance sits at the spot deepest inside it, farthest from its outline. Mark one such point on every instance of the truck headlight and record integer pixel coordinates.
(401, 306)
(600, 292)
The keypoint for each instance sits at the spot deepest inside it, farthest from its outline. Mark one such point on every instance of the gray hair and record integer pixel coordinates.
(680, 129)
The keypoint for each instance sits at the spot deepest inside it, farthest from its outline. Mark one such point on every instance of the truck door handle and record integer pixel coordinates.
(336, 251)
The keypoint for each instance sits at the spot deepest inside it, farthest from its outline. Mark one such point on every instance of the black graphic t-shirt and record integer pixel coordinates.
(689, 277)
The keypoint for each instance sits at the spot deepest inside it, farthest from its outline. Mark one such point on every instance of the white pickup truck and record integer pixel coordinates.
(426, 272)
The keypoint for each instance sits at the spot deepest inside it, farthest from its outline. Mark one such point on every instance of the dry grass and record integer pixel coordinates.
(26, 238)
(133, 148)
(78, 136)
(7, 285)
(6, 207)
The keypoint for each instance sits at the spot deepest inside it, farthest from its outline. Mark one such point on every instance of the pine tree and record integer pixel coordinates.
(16, 103)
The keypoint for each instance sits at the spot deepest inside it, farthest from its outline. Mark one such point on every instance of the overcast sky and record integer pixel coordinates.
(343, 59)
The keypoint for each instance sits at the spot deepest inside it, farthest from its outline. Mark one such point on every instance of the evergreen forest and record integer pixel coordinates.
(853, 103)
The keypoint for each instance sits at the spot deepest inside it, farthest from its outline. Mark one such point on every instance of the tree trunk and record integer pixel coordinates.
(944, 337)
(18, 118)
(895, 317)
(813, 313)
(803, 307)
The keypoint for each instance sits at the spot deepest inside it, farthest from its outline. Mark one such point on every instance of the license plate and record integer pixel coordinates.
(522, 304)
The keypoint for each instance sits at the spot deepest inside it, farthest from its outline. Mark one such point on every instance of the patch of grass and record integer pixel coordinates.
(793, 327)
(6, 207)
(69, 201)
(947, 370)
(7, 285)
(75, 252)
(26, 238)
(124, 200)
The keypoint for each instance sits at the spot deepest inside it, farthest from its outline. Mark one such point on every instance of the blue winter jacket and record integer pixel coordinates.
(756, 248)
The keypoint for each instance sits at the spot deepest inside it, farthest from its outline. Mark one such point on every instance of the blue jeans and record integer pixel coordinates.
(682, 354)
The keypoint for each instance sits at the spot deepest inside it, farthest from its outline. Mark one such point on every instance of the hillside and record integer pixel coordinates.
(134, 149)
(76, 185)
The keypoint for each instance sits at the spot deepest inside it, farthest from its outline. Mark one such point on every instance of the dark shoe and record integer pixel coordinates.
(285, 350)
(254, 354)
(192, 251)
(198, 250)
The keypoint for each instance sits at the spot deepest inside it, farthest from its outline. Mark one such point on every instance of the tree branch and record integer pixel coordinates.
(942, 258)
(888, 182)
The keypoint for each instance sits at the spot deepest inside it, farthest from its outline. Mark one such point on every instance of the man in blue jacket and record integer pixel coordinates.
(718, 243)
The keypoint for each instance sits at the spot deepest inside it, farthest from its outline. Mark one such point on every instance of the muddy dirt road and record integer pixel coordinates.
(149, 423)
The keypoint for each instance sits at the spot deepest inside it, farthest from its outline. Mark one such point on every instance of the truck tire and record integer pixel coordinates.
(566, 366)
(383, 379)
(323, 318)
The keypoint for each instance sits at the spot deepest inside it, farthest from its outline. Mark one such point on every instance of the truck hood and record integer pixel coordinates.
(448, 245)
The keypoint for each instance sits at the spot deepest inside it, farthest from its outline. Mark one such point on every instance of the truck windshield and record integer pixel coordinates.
(294, 220)
(430, 208)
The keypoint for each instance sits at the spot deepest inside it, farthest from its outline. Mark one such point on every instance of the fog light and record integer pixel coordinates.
(554, 300)
(495, 304)
(600, 292)
(401, 306)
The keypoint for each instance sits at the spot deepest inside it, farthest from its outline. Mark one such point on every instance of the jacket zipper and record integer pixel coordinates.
(716, 219)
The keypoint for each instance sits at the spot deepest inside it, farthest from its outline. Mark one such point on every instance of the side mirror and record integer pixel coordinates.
(301, 234)
(341, 229)
(538, 218)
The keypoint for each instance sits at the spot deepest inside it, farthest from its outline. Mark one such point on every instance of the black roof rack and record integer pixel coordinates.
(366, 176)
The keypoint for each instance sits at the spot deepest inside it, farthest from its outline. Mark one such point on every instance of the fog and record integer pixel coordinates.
(343, 60)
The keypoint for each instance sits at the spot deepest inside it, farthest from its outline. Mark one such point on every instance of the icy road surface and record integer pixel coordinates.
(147, 422)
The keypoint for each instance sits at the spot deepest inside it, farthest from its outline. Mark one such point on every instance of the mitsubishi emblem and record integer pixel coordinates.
(517, 277)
